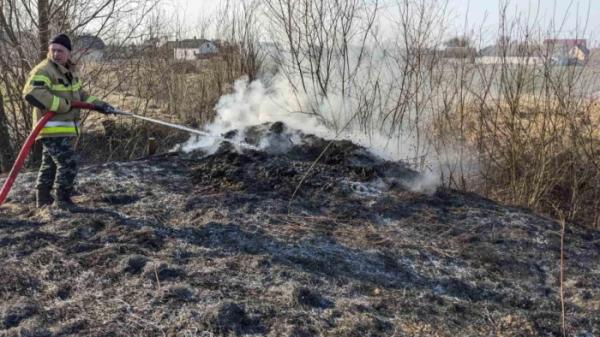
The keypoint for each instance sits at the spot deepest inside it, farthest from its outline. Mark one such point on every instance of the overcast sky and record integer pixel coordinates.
(482, 14)
(574, 13)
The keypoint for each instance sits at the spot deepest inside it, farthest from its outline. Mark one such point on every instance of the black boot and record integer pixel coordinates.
(43, 197)
(63, 200)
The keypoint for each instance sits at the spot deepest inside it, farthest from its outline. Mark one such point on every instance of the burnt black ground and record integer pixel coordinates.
(194, 245)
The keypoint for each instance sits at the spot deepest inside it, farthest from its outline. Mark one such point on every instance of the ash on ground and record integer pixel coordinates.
(272, 242)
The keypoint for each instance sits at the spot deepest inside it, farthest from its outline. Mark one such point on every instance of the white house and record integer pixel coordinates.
(193, 49)
(185, 53)
(529, 60)
(568, 51)
(511, 53)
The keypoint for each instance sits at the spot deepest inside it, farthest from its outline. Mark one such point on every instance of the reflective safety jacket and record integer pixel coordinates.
(52, 87)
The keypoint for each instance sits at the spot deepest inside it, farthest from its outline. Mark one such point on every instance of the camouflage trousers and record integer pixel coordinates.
(59, 164)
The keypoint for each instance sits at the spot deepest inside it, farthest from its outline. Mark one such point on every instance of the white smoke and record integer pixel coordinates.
(254, 103)
(261, 101)
(427, 182)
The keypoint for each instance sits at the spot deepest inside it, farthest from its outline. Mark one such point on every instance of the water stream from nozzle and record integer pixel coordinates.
(185, 128)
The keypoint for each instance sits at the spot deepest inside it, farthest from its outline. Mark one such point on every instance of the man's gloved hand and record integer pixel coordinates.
(106, 109)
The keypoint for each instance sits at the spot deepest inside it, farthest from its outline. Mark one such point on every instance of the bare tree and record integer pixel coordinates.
(517, 126)
(321, 48)
(25, 29)
(529, 122)
(237, 25)
(6, 152)
(43, 27)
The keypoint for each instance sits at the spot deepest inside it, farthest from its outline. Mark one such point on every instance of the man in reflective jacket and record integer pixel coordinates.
(52, 86)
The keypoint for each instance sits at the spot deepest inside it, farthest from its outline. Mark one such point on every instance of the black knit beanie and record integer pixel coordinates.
(63, 40)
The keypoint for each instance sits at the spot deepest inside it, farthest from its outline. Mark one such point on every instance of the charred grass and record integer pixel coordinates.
(213, 246)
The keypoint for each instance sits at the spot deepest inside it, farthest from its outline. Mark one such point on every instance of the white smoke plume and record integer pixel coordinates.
(261, 101)
(253, 103)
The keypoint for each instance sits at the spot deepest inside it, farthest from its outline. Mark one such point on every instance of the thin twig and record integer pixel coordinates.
(562, 276)
(314, 163)
(157, 279)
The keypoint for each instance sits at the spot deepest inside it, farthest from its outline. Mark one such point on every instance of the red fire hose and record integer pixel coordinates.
(26, 148)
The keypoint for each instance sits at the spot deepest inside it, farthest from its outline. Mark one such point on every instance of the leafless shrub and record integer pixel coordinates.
(517, 126)
(322, 49)
(533, 127)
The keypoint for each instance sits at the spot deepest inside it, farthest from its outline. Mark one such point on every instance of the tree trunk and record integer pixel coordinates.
(6, 152)
(43, 28)
(44, 37)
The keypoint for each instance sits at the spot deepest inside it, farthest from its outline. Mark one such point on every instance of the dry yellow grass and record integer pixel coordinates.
(537, 153)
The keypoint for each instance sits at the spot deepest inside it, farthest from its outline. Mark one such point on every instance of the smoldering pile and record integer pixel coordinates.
(286, 162)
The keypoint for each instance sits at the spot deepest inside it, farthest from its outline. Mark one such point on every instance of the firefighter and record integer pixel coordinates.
(52, 86)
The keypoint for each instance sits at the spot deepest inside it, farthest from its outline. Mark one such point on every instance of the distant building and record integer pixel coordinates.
(193, 49)
(511, 53)
(208, 48)
(568, 51)
(88, 47)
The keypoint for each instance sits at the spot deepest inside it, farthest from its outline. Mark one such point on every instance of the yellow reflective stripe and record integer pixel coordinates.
(55, 103)
(42, 78)
(60, 123)
(71, 88)
(58, 129)
(91, 99)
